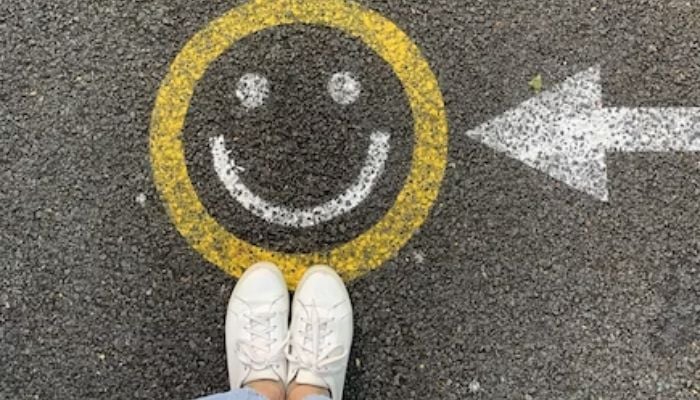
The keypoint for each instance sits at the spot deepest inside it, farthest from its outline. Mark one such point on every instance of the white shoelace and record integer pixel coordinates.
(260, 351)
(308, 345)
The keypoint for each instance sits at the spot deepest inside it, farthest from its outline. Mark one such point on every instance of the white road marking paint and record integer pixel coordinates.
(141, 199)
(474, 386)
(227, 170)
(419, 257)
(344, 88)
(566, 132)
(252, 90)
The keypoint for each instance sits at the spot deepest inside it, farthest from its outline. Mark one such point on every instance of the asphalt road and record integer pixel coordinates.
(516, 287)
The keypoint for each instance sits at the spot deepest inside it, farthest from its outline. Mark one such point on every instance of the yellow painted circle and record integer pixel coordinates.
(373, 247)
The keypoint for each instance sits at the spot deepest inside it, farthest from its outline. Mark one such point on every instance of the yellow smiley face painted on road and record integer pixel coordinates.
(413, 203)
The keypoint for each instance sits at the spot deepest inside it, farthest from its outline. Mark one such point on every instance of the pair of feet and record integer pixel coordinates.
(307, 355)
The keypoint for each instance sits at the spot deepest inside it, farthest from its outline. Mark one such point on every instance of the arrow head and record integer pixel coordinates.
(557, 133)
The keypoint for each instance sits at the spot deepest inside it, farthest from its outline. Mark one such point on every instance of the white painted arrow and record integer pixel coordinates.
(566, 132)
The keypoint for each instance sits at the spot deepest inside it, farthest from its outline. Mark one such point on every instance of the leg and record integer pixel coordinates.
(298, 391)
(238, 394)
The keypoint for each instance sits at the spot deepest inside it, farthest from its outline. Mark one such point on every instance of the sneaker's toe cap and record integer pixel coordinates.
(323, 286)
(262, 282)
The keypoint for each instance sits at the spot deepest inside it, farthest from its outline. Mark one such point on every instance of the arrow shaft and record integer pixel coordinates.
(651, 129)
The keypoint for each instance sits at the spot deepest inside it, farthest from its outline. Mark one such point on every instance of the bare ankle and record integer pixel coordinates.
(272, 390)
(299, 392)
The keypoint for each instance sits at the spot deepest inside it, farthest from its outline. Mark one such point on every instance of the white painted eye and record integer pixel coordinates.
(252, 90)
(344, 88)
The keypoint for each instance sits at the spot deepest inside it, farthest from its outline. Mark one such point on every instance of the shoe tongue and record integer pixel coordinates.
(263, 374)
(308, 378)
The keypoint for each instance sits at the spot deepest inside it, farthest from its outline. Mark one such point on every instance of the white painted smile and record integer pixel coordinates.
(344, 89)
(227, 170)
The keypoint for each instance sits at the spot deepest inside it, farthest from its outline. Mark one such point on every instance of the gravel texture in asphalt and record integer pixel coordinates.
(516, 287)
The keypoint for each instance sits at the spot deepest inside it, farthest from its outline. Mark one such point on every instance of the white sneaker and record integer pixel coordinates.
(321, 331)
(257, 326)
